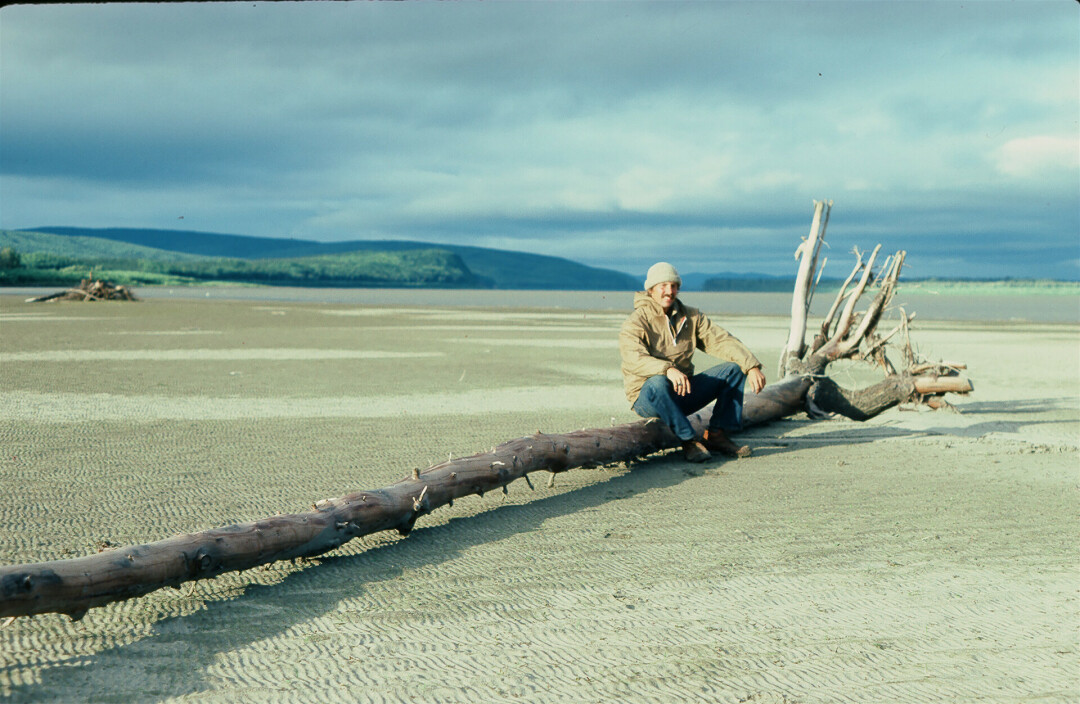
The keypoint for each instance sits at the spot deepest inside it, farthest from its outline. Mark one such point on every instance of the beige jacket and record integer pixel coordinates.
(649, 346)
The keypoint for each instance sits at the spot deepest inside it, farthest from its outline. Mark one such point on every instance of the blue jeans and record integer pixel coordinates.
(722, 383)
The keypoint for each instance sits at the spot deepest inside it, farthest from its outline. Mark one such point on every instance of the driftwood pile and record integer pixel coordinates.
(73, 586)
(89, 290)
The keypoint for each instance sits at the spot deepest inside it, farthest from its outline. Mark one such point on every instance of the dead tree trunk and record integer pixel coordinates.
(75, 585)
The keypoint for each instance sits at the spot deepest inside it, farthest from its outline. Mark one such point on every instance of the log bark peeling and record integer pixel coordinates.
(73, 586)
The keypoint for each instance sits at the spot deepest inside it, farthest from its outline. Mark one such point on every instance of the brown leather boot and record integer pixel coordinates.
(694, 451)
(718, 441)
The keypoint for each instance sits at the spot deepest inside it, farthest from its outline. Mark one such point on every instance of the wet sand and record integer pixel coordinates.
(920, 556)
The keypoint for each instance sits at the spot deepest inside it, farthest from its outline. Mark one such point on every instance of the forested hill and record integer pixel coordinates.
(46, 259)
(497, 268)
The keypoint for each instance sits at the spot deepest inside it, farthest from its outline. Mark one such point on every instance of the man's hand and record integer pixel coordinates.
(755, 379)
(679, 381)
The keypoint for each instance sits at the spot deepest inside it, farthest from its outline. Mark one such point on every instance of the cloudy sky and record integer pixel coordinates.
(612, 133)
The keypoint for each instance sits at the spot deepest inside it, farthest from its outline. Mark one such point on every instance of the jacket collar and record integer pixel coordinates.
(673, 323)
(642, 299)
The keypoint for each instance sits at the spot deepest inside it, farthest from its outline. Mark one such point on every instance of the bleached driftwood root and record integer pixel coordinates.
(75, 585)
(848, 334)
(89, 290)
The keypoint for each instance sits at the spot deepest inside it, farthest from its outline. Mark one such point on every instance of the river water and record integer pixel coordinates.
(1032, 308)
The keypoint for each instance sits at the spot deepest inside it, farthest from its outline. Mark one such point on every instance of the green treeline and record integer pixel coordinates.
(409, 268)
(422, 267)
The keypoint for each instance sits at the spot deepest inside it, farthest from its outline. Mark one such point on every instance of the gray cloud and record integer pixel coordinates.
(612, 133)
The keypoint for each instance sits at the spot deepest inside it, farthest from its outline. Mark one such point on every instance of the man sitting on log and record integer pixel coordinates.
(657, 344)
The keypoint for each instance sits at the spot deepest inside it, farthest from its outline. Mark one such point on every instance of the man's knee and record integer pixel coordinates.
(728, 372)
(656, 387)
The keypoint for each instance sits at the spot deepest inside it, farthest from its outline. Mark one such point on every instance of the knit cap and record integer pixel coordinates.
(661, 272)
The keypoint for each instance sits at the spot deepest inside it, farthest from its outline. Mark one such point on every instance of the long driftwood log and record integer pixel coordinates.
(73, 586)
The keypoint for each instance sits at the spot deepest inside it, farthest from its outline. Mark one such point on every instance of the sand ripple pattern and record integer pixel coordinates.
(60, 407)
(914, 558)
(202, 355)
(608, 607)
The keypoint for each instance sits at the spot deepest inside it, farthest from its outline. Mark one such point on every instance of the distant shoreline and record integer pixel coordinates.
(988, 287)
(1012, 306)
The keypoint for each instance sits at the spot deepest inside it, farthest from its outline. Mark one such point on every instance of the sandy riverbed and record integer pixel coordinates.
(921, 556)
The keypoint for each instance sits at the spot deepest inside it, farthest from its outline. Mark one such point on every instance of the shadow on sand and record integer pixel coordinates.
(1031, 405)
(264, 611)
